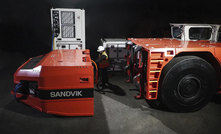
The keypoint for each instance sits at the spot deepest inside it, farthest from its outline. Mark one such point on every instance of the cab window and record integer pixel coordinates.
(219, 35)
(199, 33)
(177, 32)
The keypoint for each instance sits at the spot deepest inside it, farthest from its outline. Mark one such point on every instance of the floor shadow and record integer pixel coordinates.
(22, 108)
(134, 90)
(157, 105)
(216, 98)
(111, 89)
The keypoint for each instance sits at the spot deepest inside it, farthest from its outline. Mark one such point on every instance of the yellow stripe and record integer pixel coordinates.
(154, 71)
(153, 81)
(152, 91)
(156, 60)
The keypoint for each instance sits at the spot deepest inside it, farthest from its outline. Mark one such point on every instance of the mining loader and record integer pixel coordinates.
(183, 72)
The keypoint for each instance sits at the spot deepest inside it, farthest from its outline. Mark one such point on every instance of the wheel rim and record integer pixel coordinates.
(189, 87)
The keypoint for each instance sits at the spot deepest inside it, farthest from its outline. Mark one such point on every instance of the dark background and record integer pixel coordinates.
(25, 25)
(25, 31)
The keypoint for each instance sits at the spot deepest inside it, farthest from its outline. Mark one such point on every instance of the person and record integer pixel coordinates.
(103, 62)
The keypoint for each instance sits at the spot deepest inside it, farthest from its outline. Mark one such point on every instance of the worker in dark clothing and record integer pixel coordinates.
(103, 62)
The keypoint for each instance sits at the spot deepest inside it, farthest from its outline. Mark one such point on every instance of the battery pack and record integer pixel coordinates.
(60, 82)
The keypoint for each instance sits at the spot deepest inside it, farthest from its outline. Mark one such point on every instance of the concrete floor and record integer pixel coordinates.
(116, 111)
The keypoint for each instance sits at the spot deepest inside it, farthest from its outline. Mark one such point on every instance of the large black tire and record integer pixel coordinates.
(187, 84)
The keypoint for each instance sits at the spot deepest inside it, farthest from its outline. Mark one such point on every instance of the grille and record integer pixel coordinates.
(67, 18)
(68, 24)
(68, 31)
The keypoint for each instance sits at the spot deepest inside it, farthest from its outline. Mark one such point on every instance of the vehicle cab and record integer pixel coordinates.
(195, 32)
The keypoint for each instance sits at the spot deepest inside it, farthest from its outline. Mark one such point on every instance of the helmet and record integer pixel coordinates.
(100, 48)
(129, 43)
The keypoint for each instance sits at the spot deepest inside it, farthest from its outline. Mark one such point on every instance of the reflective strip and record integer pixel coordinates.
(104, 53)
(154, 71)
(152, 91)
(153, 81)
(104, 63)
(156, 60)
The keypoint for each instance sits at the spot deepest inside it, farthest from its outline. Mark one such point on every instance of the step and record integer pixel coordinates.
(150, 91)
(153, 81)
(153, 71)
(156, 60)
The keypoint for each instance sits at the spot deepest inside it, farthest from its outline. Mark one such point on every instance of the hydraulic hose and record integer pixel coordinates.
(52, 44)
(19, 85)
(96, 73)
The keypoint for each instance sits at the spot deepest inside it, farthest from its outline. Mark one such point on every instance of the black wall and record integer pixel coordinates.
(25, 25)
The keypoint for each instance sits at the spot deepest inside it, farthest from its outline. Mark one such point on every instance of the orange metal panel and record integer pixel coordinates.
(162, 50)
(65, 82)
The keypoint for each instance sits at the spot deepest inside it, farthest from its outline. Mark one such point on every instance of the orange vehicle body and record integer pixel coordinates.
(64, 83)
(184, 71)
(161, 51)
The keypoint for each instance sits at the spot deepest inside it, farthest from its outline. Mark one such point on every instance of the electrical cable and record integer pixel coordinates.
(52, 44)
(98, 82)
(96, 73)
(19, 85)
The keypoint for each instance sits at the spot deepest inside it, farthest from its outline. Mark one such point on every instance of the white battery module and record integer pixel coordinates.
(68, 26)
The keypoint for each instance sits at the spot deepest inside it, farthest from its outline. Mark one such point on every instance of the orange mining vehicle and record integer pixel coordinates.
(60, 82)
(182, 71)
